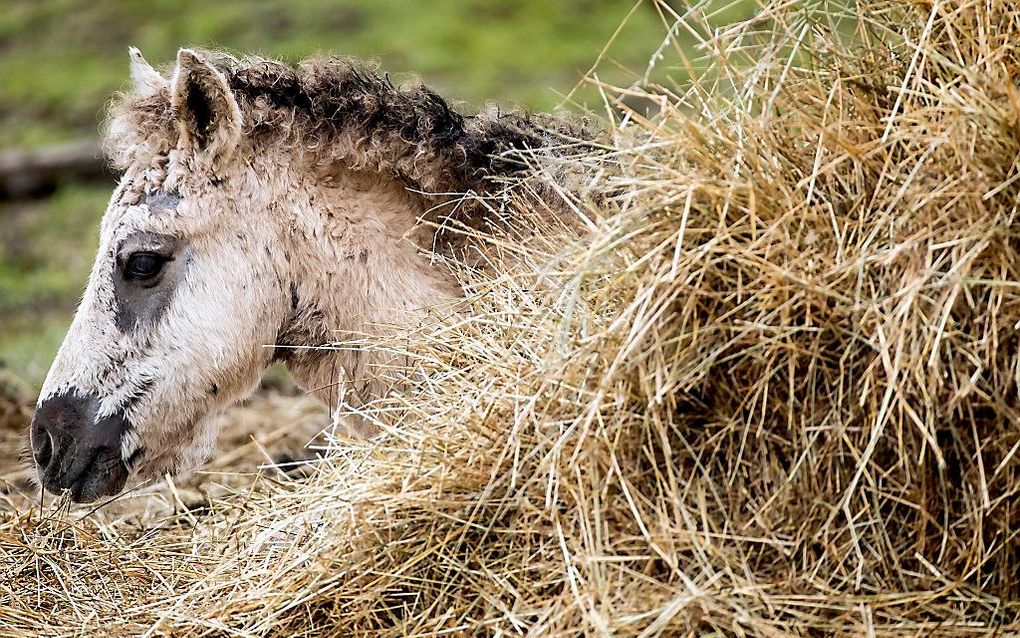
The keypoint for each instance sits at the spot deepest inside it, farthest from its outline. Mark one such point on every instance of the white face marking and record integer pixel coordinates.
(166, 351)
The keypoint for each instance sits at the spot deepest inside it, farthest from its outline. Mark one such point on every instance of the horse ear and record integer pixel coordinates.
(146, 79)
(208, 117)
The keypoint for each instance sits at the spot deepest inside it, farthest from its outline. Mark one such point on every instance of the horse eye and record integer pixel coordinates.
(143, 266)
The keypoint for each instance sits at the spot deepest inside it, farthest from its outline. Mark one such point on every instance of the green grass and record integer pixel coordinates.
(61, 60)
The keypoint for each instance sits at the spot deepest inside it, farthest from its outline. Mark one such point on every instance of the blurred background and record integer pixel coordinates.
(61, 60)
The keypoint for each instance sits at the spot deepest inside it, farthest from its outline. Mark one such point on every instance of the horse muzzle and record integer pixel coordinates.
(76, 450)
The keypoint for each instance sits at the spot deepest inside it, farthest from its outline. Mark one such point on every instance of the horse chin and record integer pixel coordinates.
(182, 460)
(172, 465)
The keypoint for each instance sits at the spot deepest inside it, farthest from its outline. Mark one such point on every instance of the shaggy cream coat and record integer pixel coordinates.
(301, 205)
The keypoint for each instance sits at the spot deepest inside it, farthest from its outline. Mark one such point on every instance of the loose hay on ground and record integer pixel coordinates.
(773, 392)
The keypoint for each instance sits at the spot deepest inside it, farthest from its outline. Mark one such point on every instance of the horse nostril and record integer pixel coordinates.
(75, 449)
(44, 453)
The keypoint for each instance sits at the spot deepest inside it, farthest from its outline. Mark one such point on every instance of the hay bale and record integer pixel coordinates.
(774, 392)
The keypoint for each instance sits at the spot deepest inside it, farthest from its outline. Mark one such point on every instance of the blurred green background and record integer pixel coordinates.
(61, 60)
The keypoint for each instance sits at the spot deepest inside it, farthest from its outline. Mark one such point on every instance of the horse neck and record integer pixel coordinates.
(360, 268)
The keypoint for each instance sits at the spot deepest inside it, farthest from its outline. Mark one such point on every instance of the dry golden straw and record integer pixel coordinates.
(771, 390)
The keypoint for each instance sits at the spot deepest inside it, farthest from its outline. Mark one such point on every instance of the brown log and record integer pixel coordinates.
(37, 172)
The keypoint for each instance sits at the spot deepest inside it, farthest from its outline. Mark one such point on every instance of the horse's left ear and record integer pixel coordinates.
(208, 117)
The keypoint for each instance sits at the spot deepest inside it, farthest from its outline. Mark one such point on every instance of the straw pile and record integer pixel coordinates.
(772, 392)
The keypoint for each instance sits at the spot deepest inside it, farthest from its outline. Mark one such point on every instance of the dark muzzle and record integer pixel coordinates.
(77, 451)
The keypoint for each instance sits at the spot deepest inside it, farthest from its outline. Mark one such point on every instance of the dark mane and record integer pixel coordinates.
(345, 110)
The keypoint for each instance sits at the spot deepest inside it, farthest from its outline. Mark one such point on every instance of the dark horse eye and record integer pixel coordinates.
(143, 266)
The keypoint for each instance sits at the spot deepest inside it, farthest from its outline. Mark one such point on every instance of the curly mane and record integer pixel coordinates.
(345, 110)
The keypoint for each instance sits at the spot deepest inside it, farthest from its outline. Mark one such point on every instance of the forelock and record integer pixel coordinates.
(139, 129)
